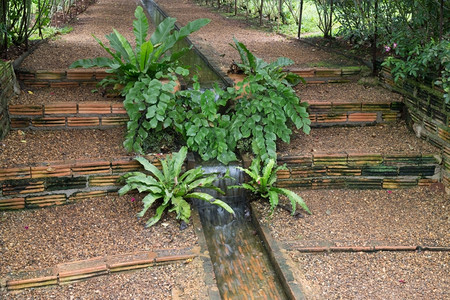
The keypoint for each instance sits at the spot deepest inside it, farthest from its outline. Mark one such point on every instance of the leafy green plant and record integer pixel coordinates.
(265, 104)
(206, 129)
(262, 184)
(149, 57)
(252, 65)
(151, 108)
(172, 187)
(423, 61)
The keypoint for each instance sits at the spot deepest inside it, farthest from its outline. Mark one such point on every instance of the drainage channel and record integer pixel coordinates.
(241, 262)
(207, 74)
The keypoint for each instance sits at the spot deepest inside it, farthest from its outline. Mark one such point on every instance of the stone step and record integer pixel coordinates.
(388, 156)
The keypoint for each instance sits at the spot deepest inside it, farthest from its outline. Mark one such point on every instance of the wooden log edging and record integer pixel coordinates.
(70, 272)
(357, 170)
(428, 114)
(62, 78)
(320, 249)
(327, 113)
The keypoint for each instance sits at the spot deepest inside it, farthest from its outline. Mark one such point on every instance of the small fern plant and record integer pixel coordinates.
(171, 187)
(262, 184)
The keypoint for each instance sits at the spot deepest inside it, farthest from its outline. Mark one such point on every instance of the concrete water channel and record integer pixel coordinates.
(242, 266)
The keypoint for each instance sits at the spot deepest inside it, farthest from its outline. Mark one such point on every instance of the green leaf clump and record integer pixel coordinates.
(170, 187)
(262, 183)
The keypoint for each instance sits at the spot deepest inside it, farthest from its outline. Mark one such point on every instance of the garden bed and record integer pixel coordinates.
(40, 96)
(31, 147)
(36, 239)
(352, 218)
(39, 146)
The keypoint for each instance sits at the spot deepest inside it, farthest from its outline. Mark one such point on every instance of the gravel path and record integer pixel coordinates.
(384, 139)
(25, 148)
(54, 95)
(98, 19)
(413, 217)
(161, 282)
(346, 92)
(34, 239)
(409, 217)
(380, 276)
(215, 38)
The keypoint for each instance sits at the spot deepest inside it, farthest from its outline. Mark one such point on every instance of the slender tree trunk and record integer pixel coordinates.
(235, 7)
(300, 19)
(441, 21)
(261, 12)
(375, 38)
(331, 18)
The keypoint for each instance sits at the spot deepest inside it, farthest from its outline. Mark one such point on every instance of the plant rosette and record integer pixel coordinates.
(170, 188)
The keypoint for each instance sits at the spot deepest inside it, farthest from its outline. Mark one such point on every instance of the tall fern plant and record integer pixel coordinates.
(149, 56)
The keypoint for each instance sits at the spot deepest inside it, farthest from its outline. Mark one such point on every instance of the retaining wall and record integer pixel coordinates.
(7, 84)
(357, 170)
(427, 114)
(63, 182)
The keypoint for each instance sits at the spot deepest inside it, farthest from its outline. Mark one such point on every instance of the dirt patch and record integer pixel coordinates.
(346, 92)
(34, 239)
(53, 95)
(98, 19)
(25, 148)
(384, 139)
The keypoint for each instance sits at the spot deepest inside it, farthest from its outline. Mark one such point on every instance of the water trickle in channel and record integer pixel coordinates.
(241, 264)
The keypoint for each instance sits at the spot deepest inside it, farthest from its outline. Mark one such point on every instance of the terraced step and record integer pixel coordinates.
(72, 165)
(350, 104)
(61, 78)
(68, 115)
(70, 272)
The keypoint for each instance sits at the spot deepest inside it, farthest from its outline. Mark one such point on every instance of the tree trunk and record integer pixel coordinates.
(300, 19)
(261, 12)
(441, 21)
(375, 38)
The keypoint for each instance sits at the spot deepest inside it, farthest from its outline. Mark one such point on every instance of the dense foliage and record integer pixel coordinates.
(414, 33)
(150, 57)
(262, 182)
(171, 188)
(23, 20)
